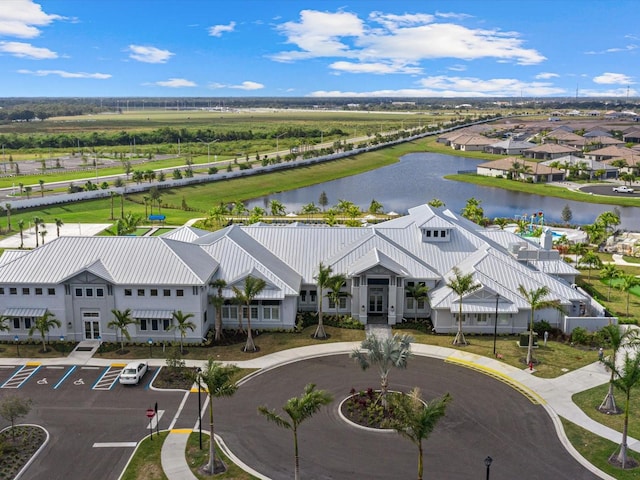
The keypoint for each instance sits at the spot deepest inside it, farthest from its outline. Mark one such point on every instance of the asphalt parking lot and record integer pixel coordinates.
(607, 190)
(486, 417)
(94, 422)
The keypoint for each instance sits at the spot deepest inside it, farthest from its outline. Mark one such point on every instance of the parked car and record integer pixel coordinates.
(133, 373)
(623, 189)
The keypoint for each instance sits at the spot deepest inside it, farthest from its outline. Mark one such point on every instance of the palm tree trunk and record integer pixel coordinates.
(249, 345)
(622, 456)
(320, 333)
(212, 445)
(608, 405)
(44, 345)
(530, 346)
(296, 470)
(420, 464)
(218, 326)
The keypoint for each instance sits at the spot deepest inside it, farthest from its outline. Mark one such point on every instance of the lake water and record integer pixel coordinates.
(418, 178)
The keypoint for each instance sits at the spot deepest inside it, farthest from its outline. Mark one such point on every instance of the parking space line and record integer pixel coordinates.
(109, 378)
(21, 376)
(115, 444)
(64, 377)
(148, 385)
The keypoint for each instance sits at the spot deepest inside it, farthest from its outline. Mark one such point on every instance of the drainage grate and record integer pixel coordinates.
(83, 349)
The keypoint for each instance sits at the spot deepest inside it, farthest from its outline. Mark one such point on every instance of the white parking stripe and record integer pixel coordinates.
(115, 444)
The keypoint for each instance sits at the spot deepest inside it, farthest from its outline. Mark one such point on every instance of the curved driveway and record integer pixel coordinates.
(486, 417)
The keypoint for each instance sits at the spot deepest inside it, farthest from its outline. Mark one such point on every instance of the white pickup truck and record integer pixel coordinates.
(623, 189)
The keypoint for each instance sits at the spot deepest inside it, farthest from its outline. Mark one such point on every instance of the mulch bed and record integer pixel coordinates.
(14, 456)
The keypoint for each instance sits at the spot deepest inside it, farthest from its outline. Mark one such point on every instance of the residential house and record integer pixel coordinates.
(518, 168)
(549, 151)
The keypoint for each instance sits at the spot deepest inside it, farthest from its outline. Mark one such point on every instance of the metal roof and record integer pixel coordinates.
(158, 314)
(24, 312)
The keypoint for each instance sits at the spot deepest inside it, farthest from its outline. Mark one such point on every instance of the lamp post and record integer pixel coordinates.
(208, 144)
(495, 325)
(150, 342)
(16, 339)
(487, 463)
(199, 410)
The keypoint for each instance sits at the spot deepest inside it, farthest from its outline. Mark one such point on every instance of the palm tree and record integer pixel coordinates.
(7, 207)
(419, 292)
(252, 288)
(120, 323)
(3, 323)
(335, 284)
(219, 214)
(618, 338)
(627, 378)
(218, 302)
(43, 324)
(462, 285)
(277, 208)
(628, 281)
(536, 301)
(322, 280)
(578, 249)
(590, 260)
(43, 233)
(112, 195)
(218, 379)
(37, 221)
(182, 325)
(609, 272)
(385, 354)
(41, 182)
(298, 409)
(21, 227)
(59, 224)
(415, 419)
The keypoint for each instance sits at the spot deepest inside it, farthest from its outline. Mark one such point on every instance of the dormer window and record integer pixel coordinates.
(435, 234)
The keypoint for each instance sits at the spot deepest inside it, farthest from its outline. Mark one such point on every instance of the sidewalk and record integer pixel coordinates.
(554, 394)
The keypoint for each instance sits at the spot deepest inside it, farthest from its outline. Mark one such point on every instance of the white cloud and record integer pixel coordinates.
(65, 74)
(26, 50)
(148, 54)
(378, 68)
(616, 92)
(22, 18)
(546, 75)
(175, 83)
(397, 40)
(248, 85)
(216, 85)
(627, 48)
(218, 30)
(445, 86)
(609, 78)
(458, 68)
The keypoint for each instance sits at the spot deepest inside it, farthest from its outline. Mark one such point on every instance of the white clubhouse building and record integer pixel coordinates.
(82, 279)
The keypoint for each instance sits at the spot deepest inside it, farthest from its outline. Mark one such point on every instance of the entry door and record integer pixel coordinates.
(376, 300)
(91, 329)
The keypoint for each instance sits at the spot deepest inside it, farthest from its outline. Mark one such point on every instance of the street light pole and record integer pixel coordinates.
(199, 410)
(487, 462)
(208, 144)
(495, 325)
(17, 339)
(150, 342)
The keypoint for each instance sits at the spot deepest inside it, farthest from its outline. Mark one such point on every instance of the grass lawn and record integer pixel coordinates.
(145, 463)
(597, 450)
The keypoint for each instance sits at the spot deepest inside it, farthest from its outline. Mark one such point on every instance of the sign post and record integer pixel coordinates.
(150, 414)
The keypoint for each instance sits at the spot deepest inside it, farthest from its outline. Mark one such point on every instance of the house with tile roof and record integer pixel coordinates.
(518, 168)
(549, 151)
(81, 280)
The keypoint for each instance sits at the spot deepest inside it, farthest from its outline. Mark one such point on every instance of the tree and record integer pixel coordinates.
(608, 220)
(536, 300)
(627, 377)
(252, 288)
(43, 325)
(298, 409)
(277, 208)
(436, 202)
(385, 354)
(219, 214)
(28, 189)
(608, 273)
(8, 207)
(218, 302)
(462, 285)
(617, 337)
(21, 228)
(3, 323)
(375, 207)
(628, 281)
(43, 233)
(322, 280)
(590, 260)
(473, 211)
(335, 284)
(37, 221)
(578, 249)
(419, 292)
(415, 419)
(323, 201)
(126, 225)
(13, 407)
(120, 323)
(41, 182)
(567, 214)
(182, 325)
(218, 379)
(59, 224)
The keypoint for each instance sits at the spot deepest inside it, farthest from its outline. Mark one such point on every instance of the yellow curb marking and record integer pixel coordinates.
(526, 391)
(118, 365)
(182, 430)
(33, 364)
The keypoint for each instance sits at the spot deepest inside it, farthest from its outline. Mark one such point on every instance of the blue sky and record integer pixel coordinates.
(366, 48)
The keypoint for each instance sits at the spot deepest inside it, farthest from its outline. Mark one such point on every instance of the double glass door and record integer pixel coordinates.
(377, 300)
(91, 329)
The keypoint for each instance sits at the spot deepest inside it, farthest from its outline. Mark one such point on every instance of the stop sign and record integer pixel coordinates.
(150, 412)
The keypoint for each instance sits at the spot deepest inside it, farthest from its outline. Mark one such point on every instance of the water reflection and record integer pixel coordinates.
(418, 178)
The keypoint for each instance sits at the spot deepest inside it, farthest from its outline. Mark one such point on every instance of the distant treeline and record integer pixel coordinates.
(155, 137)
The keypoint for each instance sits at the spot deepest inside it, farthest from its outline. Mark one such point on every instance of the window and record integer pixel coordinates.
(342, 303)
(435, 233)
(25, 291)
(99, 292)
(153, 292)
(13, 291)
(16, 323)
(127, 292)
(270, 310)
(166, 323)
(38, 291)
(51, 291)
(179, 293)
(303, 296)
(443, 233)
(143, 324)
(254, 312)
(194, 290)
(356, 281)
(154, 324)
(27, 322)
(166, 292)
(1, 290)
(141, 292)
(89, 292)
(482, 318)
(230, 311)
(427, 233)
(313, 295)
(78, 292)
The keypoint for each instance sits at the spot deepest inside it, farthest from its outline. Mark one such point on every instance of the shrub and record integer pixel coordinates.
(581, 336)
